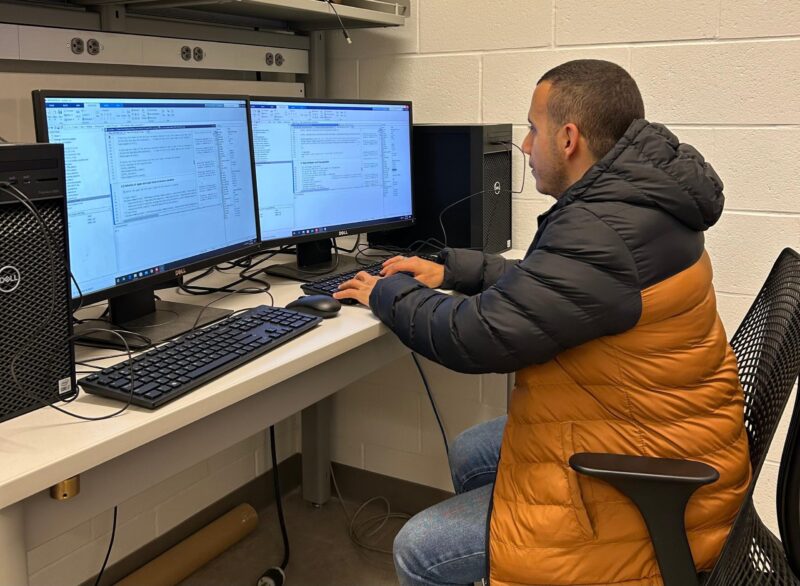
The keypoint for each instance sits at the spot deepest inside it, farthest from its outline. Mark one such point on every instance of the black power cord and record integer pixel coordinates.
(355, 246)
(276, 576)
(110, 545)
(40, 329)
(246, 264)
(433, 402)
(455, 203)
(440, 245)
(234, 292)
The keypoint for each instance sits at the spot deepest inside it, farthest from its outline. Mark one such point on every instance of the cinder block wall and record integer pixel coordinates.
(723, 74)
(62, 553)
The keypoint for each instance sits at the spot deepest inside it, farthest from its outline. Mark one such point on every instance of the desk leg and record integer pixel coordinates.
(316, 426)
(13, 554)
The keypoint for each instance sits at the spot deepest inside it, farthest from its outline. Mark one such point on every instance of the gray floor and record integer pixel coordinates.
(321, 552)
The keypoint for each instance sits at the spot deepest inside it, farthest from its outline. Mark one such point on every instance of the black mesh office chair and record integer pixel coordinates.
(767, 346)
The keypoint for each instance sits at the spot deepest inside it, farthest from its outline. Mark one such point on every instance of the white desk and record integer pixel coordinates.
(114, 457)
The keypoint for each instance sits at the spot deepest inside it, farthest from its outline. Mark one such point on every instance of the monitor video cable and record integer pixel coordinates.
(276, 575)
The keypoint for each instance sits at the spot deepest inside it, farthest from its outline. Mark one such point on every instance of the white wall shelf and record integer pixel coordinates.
(298, 15)
(272, 36)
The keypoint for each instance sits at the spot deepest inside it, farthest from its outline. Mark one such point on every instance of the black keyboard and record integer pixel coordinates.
(175, 368)
(330, 284)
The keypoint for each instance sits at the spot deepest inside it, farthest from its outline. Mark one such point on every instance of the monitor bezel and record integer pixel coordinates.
(151, 281)
(289, 240)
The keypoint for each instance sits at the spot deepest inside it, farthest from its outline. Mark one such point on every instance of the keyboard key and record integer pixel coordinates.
(144, 389)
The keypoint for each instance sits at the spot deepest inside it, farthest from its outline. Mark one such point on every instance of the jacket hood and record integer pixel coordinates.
(649, 166)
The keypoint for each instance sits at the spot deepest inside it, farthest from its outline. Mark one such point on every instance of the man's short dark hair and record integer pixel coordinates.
(600, 97)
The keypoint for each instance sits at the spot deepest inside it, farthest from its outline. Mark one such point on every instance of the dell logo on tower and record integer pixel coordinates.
(497, 188)
(9, 279)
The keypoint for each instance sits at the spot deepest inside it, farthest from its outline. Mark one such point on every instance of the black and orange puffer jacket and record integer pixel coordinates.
(610, 321)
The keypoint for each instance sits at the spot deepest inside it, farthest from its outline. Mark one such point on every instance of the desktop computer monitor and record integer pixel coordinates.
(157, 186)
(329, 168)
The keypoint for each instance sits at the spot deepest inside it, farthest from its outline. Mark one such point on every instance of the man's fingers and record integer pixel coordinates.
(356, 294)
(351, 284)
(345, 294)
(405, 264)
(393, 260)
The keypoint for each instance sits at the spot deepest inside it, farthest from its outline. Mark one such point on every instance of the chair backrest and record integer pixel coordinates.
(767, 348)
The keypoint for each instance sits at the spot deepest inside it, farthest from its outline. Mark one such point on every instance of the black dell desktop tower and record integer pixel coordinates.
(450, 163)
(36, 359)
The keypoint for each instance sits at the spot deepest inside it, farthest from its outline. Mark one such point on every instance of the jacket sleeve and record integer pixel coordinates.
(579, 283)
(471, 271)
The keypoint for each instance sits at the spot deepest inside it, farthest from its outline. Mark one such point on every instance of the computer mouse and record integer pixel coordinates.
(316, 305)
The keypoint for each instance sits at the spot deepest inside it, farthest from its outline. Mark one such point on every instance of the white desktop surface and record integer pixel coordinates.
(113, 456)
(43, 447)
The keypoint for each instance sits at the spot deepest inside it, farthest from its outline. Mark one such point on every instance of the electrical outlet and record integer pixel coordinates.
(93, 46)
(279, 60)
(198, 54)
(186, 53)
(269, 58)
(76, 44)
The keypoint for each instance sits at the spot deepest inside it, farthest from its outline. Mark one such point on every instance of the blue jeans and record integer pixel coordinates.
(445, 545)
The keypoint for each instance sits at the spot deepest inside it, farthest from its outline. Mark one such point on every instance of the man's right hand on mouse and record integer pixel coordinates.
(426, 272)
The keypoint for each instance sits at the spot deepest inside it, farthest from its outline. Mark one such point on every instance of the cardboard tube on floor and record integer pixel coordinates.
(198, 549)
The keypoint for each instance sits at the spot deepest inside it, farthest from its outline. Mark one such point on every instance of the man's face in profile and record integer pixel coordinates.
(546, 161)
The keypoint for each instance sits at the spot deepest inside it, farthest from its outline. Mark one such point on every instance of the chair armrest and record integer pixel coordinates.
(643, 468)
(660, 488)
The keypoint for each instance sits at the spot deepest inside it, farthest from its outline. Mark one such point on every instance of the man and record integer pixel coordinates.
(610, 321)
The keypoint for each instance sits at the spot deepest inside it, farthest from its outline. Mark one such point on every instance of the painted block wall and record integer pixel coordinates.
(724, 75)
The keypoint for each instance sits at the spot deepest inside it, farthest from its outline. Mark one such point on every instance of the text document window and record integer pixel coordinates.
(323, 167)
(152, 184)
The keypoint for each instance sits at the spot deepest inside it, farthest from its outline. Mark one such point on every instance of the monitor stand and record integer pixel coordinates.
(142, 320)
(314, 261)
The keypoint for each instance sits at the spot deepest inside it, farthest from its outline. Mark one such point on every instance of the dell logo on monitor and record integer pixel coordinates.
(9, 279)
(342, 232)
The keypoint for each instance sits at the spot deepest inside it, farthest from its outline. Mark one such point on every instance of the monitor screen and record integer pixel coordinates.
(153, 184)
(329, 168)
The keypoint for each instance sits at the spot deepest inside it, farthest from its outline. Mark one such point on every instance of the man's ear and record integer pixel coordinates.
(571, 137)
